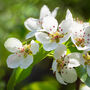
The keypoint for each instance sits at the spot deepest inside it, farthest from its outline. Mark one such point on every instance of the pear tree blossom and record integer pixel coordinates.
(54, 34)
(80, 32)
(81, 35)
(35, 25)
(86, 60)
(22, 54)
(63, 65)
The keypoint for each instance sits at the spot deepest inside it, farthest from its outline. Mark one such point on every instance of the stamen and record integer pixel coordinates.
(22, 50)
(88, 39)
(80, 30)
(53, 26)
(58, 30)
(56, 36)
(87, 58)
(50, 29)
(18, 48)
(19, 55)
(88, 35)
(61, 29)
(80, 41)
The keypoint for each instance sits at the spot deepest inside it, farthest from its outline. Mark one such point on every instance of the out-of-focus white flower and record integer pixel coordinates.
(84, 87)
(23, 54)
(54, 34)
(81, 35)
(35, 25)
(63, 65)
(86, 60)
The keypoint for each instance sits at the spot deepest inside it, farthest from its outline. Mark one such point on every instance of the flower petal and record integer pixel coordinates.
(60, 79)
(54, 12)
(42, 37)
(50, 46)
(54, 66)
(13, 61)
(60, 51)
(69, 15)
(50, 24)
(87, 37)
(86, 24)
(73, 59)
(32, 24)
(78, 29)
(82, 60)
(65, 29)
(84, 87)
(26, 62)
(69, 75)
(13, 44)
(44, 12)
(30, 34)
(88, 70)
(34, 47)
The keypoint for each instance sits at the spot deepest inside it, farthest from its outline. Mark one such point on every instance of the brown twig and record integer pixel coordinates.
(78, 84)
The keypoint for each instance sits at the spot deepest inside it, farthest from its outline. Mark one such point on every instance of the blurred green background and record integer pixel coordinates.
(13, 13)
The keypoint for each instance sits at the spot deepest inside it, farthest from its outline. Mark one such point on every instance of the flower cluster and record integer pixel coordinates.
(52, 35)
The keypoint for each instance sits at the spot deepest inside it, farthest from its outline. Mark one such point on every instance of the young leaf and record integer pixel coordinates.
(82, 73)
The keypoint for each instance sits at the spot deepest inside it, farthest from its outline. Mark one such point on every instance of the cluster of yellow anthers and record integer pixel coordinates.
(87, 58)
(25, 50)
(56, 36)
(80, 42)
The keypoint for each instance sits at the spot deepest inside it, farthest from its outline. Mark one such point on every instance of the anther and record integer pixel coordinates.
(61, 29)
(53, 26)
(50, 29)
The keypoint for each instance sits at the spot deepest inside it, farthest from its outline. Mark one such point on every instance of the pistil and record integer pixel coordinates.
(56, 36)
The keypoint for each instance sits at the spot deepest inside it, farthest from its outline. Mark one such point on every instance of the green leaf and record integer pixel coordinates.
(82, 73)
(71, 48)
(50, 84)
(20, 74)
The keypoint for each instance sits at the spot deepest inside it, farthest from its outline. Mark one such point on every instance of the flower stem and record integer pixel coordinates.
(78, 84)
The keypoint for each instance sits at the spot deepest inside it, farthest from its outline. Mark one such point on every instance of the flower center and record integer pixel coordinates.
(60, 64)
(80, 41)
(25, 50)
(87, 58)
(56, 36)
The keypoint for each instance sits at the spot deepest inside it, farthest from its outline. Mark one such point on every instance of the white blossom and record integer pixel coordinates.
(81, 35)
(35, 25)
(63, 65)
(22, 54)
(86, 60)
(54, 34)
(84, 87)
